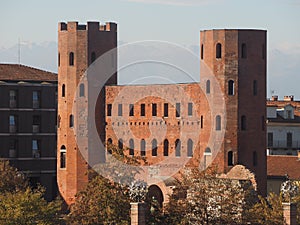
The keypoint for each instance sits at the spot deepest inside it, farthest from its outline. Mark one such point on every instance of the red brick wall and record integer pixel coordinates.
(158, 127)
(82, 40)
(231, 66)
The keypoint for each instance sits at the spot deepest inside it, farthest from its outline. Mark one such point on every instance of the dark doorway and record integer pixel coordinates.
(156, 193)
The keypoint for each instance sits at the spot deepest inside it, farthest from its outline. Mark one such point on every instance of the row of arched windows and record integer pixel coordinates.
(207, 153)
(71, 58)
(154, 147)
(243, 51)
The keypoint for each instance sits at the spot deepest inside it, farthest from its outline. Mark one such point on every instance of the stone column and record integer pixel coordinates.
(290, 213)
(138, 216)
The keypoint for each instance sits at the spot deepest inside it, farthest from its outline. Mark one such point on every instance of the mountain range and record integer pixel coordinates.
(283, 65)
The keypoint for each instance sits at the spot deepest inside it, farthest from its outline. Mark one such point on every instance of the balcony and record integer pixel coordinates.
(35, 104)
(12, 129)
(35, 128)
(283, 144)
(35, 154)
(12, 153)
(12, 103)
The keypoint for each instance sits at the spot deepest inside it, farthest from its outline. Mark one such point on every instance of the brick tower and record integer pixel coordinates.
(235, 62)
(78, 47)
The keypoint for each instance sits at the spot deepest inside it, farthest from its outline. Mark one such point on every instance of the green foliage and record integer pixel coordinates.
(267, 211)
(28, 207)
(20, 205)
(102, 202)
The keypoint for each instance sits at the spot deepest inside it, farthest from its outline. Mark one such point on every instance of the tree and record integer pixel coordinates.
(267, 211)
(209, 199)
(102, 202)
(10, 178)
(26, 207)
(21, 205)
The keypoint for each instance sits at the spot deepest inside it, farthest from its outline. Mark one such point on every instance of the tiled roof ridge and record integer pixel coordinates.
(25, 72)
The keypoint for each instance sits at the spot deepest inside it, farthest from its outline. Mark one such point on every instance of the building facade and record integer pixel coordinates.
(171, 126)
(28, 123)
(283, 126)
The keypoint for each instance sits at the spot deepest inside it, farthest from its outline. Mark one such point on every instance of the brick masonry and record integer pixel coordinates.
(239, 138)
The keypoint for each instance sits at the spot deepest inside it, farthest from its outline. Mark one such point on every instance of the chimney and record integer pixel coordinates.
(274, 98)
(288, 98)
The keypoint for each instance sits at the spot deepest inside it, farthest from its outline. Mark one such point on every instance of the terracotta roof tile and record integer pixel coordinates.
(280, 165)
(15, 72)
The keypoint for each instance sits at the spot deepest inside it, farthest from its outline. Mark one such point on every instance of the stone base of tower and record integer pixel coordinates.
(138, 213)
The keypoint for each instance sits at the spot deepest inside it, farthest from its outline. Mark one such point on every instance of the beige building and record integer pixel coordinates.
(283, 126)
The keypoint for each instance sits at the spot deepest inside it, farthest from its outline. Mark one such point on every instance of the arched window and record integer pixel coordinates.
(71, 59)
(254, 158)
(154, 147)
(81, 90)
(109, 145)
(58, 59)
(243, 123)
(218, 122)
(143, 147)
(190, 148)
(58, 121)
(255, 87)
(230, 159)
(207, 157)
(202, 51)
(63, 152)
(166, 147)
(207, 151)
(93, 57)
(63, 90)
(131, 147)
(201, 122)
(177, 148)
(208, 87)
(71, 120)
(120, 144)
(230, 87)
(244, 51)
(109, 141)
(218, 51)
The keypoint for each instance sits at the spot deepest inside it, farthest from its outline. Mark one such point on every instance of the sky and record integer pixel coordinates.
(176, 21)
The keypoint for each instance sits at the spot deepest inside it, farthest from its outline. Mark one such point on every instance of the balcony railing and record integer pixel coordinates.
(284, 144)
(35, 104)
(12, 103)
(35, 128)
(12, 153)
(12, 129)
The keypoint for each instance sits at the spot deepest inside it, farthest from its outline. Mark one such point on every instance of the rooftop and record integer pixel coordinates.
(16, 72)
(280, 165)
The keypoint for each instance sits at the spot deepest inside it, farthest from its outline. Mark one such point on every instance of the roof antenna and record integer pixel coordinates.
(19, 52)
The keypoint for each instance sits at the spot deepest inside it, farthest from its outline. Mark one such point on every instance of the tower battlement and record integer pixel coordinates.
(74, 26)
